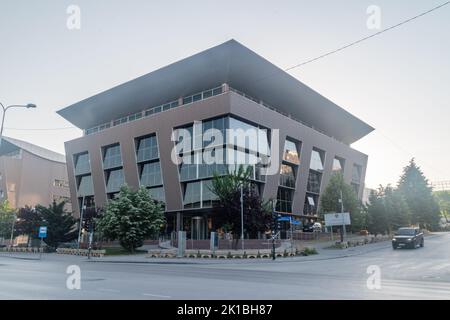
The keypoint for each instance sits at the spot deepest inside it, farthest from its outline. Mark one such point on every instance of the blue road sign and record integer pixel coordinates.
(42, 232)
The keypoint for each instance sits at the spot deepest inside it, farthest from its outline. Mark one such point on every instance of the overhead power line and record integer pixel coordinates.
(366, 38)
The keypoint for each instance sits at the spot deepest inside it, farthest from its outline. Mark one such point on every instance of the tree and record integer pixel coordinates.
(131, 218)
(330, 201)
(418, 195)
(61, 225)
(443, 199)
(397, 210)
(376, 212)
(256, 213)
(7, 216)
(28, 222)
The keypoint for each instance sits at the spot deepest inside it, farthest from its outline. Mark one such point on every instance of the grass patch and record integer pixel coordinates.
(119, 251)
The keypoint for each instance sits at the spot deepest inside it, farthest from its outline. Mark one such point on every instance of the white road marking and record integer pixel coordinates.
(156, 295)
(108, 290)
(440, 266)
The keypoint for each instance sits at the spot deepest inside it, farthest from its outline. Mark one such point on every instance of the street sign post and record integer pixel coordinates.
(337, 219)
(42, 235)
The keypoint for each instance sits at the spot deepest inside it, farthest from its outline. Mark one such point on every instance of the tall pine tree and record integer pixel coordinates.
(418, 195)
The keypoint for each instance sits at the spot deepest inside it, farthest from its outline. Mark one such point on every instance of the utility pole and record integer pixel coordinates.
(341, 200)
(274, 223)
(81, 222)
(12, 231)
(242, 215)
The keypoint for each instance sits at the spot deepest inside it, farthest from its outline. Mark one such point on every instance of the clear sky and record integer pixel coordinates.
(398, 82)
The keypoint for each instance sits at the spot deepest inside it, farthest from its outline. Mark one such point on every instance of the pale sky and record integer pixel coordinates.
(398, 82)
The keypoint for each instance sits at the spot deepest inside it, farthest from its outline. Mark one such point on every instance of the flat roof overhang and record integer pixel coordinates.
(230, 63)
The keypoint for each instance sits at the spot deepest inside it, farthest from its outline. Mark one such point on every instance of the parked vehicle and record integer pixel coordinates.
(311, 227)
(408, 238)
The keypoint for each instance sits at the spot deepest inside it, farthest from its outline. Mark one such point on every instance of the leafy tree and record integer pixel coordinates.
(7, 216)
(131, 218)
(443, 199)
(330, 201)
(61, 225)
(256, 213)
(397, 210)
(377, 219)
(28, 222)
(418, 195)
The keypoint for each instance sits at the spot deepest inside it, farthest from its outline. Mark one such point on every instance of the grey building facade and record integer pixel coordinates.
(129, 134)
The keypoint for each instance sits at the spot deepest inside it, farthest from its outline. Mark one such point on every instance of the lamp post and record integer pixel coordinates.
(242, 216)
(12, 233)
(28, 106)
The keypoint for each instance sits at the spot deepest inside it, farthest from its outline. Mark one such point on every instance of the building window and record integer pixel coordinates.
(284, 200)
(311, 204)
(192, 195)
(314, 180)
(338, 165)
(287, 176)
(356, 174)
(112, 157)
(147, 148)
(85, 186)
(157, 194)
(208, 196)
(114, 180)
(317, 160)
(59, 199)
(82, 164)
(290, 153)
(61, 183)
(151, 174)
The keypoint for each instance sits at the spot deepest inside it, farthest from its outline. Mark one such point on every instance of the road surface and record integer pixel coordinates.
(423, 273)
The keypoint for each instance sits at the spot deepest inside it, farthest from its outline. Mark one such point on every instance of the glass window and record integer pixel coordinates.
(174, 104)
(317, 160)
(356, 174)
(314, 180)
(287, 176)
(157, 194)
(112, 157)
(82, 164)
(212, 162)
(149, 112)
(151, 174)
(310, 205)
(338, 164)
(355, 187)
(85, 186)
(208, 196)
(217, 91)
(284, 200)
(114, 180)
(188, 168)
(192, 195)
(187, 100)
(207, 94)
(147, 148)
(290, 152)
(197, 97)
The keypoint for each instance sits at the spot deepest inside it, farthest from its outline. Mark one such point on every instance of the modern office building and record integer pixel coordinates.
(130, 134)
(31, 175)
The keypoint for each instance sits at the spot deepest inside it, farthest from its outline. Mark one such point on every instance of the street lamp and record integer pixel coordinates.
(28, 106)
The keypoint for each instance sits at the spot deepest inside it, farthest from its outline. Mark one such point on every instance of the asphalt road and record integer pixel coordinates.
(423, 273)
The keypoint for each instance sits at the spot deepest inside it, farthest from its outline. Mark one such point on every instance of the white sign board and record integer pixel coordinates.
(337, 219)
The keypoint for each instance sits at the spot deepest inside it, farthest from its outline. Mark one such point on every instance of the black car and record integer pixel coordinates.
(407, 238)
